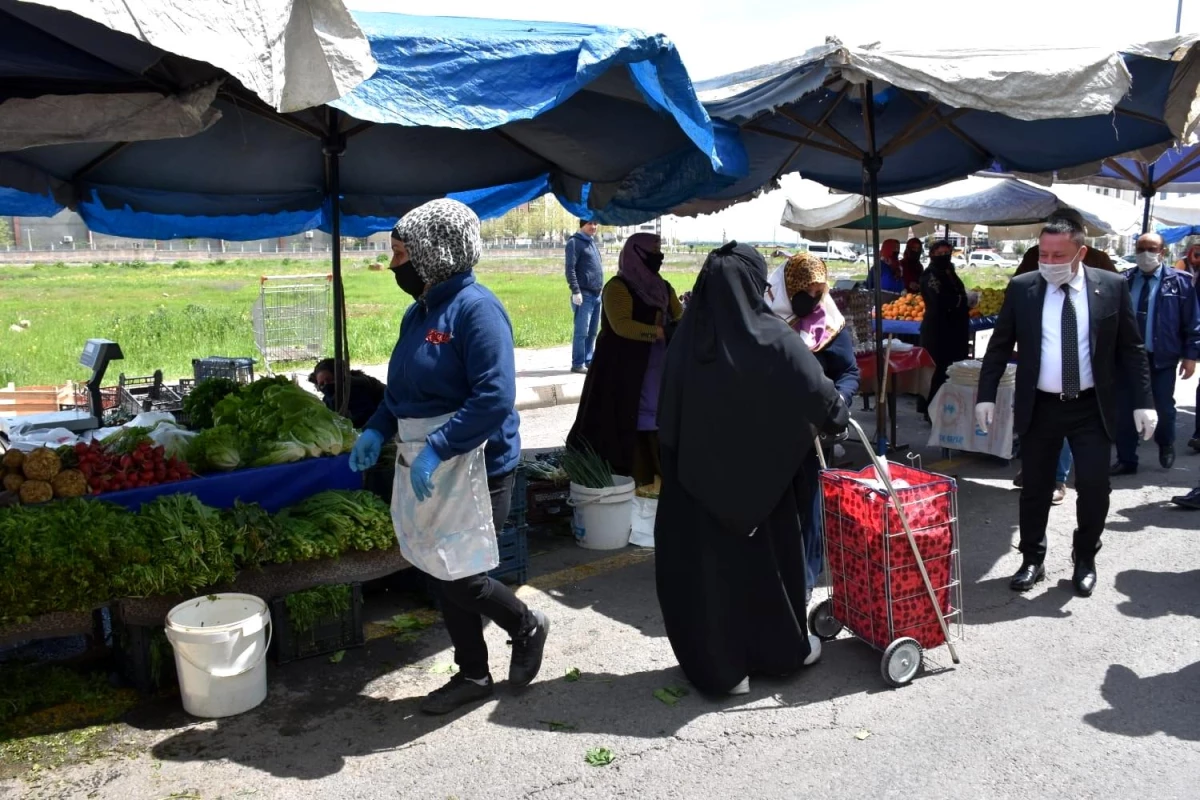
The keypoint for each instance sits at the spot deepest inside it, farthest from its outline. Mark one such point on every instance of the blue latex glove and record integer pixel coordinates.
(422, 473)
(366, 450)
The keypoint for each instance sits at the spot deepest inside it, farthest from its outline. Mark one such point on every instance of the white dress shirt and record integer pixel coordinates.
(1050, 374)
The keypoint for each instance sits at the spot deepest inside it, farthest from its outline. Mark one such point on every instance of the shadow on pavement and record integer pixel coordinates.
(1159, 594)
(1165, 703)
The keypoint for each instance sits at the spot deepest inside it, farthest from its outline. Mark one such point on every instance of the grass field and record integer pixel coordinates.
(164, 315)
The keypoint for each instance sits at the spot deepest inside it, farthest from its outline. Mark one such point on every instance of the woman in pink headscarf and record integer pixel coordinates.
(618, 410)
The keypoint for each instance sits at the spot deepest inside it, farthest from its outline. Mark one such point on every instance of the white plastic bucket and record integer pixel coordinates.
(603, 516)
(221, 643)
(645, 511)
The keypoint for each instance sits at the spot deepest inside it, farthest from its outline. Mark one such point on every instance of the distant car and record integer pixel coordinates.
(1129, 259)
(987, 258)
(831, 251)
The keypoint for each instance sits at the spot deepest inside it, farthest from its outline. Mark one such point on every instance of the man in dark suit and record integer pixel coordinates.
(1077, 336)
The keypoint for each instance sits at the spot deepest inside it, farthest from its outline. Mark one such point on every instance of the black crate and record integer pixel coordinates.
(135, 395)
(514, 556)
(520, 500)
(235, 369)
(327, 636)
(144, 657)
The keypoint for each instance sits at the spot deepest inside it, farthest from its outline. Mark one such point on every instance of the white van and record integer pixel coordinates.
(989, 258)
(830, 251)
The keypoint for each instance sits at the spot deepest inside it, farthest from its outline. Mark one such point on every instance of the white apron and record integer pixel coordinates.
(451, 534)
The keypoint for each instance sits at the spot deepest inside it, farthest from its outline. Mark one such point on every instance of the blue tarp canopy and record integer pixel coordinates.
(492, 112)
(1176, 233)
(939, 116)
(1176, 170)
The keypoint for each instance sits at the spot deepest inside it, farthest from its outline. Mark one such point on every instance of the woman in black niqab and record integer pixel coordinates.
(742, 399)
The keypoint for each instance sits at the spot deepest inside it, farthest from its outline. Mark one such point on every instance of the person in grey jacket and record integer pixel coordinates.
(585, 278)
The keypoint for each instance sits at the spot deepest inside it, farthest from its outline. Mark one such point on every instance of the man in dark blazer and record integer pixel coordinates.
(1078, 337)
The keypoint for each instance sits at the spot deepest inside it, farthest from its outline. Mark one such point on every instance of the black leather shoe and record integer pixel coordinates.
(1121, 468)
(1194, 443)
(1166, 455)
(1085, 577)
(1190, 500)
(1027, 576)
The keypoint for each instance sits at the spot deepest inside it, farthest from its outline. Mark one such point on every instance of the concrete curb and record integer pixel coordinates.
(548, 395)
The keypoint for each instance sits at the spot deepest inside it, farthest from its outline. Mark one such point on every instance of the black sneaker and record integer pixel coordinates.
(527, 652)
(457, 693)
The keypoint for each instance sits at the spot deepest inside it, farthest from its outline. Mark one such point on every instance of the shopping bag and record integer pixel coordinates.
(954, 426)
(645, 509)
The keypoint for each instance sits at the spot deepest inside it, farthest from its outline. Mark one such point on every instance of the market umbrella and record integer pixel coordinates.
(491, 111)
(1176, 170)
(1009, 207)
(75, 71)
(878, 122)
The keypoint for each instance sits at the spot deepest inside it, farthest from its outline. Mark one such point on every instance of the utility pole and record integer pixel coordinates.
(1178, 15)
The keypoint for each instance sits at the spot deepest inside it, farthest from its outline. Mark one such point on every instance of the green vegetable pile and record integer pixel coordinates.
(586, 468)
(199, 404)
(305, 609)
(76, 555)
(270, 421)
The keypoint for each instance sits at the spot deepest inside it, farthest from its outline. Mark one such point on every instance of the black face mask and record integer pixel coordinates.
(804, 304)
(652, 260)
(941, 262)
(408, 280)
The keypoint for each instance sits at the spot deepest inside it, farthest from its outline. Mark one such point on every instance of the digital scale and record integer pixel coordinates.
(97, 353)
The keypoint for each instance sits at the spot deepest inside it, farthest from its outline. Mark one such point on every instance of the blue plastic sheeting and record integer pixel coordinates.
(906, 327)
(1176, 170)
(811, 88)
(492, 112)
(1177, 233)
(273, 488)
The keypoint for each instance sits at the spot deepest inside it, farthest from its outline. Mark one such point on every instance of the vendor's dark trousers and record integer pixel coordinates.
(1162, 386)
(465, 602)
(1079, 421)
(939, 378)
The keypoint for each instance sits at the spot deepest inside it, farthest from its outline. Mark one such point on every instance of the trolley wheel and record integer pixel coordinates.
(901, 661)
(822, 623)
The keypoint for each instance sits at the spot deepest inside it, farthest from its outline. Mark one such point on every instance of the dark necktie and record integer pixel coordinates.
(1143, 309)
(1070, 347)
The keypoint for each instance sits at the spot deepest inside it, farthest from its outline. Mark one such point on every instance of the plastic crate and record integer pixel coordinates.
(328, 635)
(514, 556)
(144, 657)
(135, 395)
(235, 369)
(520, 500)
(547, 502)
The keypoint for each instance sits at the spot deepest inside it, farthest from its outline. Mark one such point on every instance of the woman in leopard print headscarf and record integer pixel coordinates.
(452, 388)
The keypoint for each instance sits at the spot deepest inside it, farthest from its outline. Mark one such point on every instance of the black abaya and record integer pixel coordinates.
(742, 396)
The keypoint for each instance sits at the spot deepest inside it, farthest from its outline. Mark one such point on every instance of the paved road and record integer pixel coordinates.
(1056, 696)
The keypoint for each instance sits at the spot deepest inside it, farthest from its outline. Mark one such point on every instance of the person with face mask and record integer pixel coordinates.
(910, 265)
(890, 269)
(619, 405)
(1164, 301)
(946, 326)
(402, 268)
(1078, 337)
(798, 293)
(450, 406)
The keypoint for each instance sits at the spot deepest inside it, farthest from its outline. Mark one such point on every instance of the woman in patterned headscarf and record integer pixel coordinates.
(452, 381)
(798, 293)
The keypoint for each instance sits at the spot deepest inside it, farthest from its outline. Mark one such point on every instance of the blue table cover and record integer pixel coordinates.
(272, 487)
(912, 327)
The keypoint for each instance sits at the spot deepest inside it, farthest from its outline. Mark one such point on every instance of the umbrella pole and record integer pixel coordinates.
(1147, 194)
(871, 164)
(335, 146)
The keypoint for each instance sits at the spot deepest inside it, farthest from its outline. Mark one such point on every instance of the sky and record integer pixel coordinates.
(716, 37)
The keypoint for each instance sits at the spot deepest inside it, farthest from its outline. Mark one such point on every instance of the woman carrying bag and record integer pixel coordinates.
(450, 404)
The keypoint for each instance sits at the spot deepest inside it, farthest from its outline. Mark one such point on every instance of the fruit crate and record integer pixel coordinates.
(547, 502)
(329, 635)
(514, 556)
(240, 369)
(135, 395)
(144, 658)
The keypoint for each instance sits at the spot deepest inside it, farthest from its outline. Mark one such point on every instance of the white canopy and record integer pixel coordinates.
(293, 54)
(1011, 208)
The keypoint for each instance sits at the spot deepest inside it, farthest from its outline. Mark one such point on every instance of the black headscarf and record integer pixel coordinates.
(741, 394)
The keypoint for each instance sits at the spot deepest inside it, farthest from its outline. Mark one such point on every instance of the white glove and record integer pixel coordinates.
(1145, 420)
(577, 299)
(984, 414)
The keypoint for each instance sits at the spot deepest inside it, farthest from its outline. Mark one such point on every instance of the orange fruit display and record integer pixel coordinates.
(909, 307)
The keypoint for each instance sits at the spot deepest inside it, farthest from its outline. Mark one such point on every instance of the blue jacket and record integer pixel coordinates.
(455, 356)
(584, 272)
(840, 366)
(1176, 331)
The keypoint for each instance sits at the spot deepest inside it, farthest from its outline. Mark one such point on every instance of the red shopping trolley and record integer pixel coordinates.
(892, 560)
